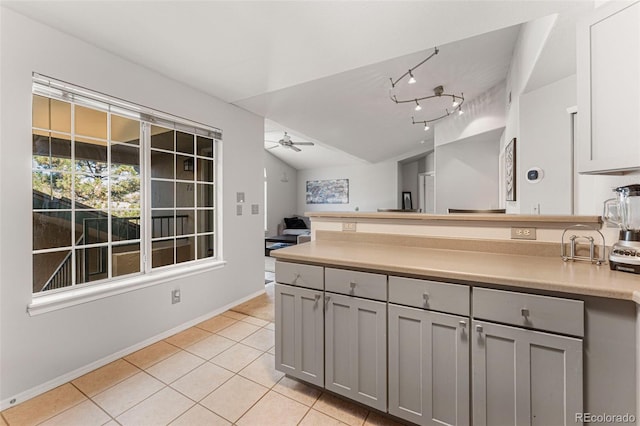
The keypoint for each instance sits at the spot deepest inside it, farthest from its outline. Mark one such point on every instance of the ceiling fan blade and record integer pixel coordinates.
(295, 148)
(303, 143)
(275, 146)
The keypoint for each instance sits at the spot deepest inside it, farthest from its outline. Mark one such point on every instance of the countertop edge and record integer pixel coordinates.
(480, 278)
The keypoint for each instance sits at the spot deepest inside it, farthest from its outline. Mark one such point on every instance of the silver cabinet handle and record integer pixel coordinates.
(295, 277)
(352, 284)
(327, 299)
(425, 297)
(479, 328)
(317, 297)
(524, 312)
(463, 324)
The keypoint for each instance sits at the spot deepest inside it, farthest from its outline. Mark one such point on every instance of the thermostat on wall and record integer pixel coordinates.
(535, 175)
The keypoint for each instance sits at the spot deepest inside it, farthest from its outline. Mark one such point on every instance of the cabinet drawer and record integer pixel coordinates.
(354, 283)
(300, 275)
(437, 296)
(529, 310)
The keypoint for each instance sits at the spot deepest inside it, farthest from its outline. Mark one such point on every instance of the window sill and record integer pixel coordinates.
(52, 302)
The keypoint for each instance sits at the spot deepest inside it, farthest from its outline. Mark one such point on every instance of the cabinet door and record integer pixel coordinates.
(609, 89)
(356, 349)
(428, 366)
(300, 333)
(523, 377)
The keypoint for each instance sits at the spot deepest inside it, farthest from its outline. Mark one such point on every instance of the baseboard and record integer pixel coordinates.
(72, 375)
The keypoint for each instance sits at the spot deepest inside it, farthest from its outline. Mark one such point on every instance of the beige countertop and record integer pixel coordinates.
(529, 272)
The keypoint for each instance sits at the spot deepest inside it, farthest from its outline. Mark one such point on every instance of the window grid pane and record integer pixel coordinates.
(87, 201)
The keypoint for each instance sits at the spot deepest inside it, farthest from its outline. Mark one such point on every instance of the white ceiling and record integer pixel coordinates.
(318, 68)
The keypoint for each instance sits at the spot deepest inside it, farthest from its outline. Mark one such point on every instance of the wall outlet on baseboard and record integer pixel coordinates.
(175, 296)
(523, 233)
(349, 226)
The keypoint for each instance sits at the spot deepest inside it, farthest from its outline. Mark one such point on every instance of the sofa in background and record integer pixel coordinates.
(296, 225)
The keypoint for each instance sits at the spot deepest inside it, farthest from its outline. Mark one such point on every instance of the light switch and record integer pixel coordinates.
(239, 210)
(239, 197)
(255, 208)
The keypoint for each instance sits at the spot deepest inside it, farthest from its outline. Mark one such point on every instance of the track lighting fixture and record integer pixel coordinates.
(426, 123)
(412, 79)
(438, 92)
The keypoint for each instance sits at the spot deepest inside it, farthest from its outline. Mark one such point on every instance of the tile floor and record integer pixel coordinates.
(219, 372)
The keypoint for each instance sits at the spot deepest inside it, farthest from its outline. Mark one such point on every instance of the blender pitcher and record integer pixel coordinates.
(624, 211)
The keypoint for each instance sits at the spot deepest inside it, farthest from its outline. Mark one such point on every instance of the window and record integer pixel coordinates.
(117, 189)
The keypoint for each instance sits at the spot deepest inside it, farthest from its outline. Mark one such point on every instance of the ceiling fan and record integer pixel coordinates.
(286, 142)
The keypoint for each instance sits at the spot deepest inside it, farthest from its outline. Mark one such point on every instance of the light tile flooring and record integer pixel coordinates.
(219, 372)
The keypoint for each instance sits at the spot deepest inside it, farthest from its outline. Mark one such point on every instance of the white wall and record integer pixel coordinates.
(371, 186)
(409, 173)
(467, 173)
(34, 350)
(531, 40)
(430, 162)
(282, 196)
(546, 142)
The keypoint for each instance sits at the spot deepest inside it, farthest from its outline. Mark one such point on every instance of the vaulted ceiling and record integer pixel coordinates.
(318, 68)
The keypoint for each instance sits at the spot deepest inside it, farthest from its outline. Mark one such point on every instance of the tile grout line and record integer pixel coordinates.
(168, 385)
(95, 403)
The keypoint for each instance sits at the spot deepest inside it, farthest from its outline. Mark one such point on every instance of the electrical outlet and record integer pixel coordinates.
(523, 233)
(255, 208)
(349, 226)
(175, 296)
(238, 209)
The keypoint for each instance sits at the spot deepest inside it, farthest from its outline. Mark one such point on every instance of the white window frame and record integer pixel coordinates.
(148, 276)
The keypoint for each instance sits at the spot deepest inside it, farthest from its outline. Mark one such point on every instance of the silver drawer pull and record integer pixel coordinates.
(327, 299)
(524, 312)
(295, 277)
(317, 297)
(352, 284)
(479, 328)
(463, 324)
(425, 297)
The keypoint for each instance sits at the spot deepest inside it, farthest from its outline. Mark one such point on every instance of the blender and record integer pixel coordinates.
(624, 211)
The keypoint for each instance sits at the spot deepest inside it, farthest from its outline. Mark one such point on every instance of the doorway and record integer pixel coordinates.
(427, 192)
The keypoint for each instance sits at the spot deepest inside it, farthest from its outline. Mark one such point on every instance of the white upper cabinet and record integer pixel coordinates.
(608, 74)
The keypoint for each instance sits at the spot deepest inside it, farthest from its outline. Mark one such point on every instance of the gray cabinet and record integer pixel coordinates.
(608, 77)
(356, 349)
(299, 333)
(524, 377)
(428, 366)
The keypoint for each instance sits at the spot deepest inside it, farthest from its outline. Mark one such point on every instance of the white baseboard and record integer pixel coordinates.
(72, 375)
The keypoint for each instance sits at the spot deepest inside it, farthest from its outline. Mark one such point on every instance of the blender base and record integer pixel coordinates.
(624, 267)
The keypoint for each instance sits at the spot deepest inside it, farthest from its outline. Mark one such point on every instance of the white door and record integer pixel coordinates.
(427, 192)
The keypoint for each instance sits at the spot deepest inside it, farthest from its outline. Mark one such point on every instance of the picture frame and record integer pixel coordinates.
(406, 201)
(510, 170)
(328, 191)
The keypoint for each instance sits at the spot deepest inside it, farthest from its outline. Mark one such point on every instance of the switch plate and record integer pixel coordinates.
(175, 296)
(523, 233)
(255, 208)
(239, 197)
(239, 210)
(349, 226)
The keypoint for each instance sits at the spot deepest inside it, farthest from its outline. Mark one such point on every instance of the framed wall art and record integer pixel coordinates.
(329, 191)
(406, 201)
(510, 170)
